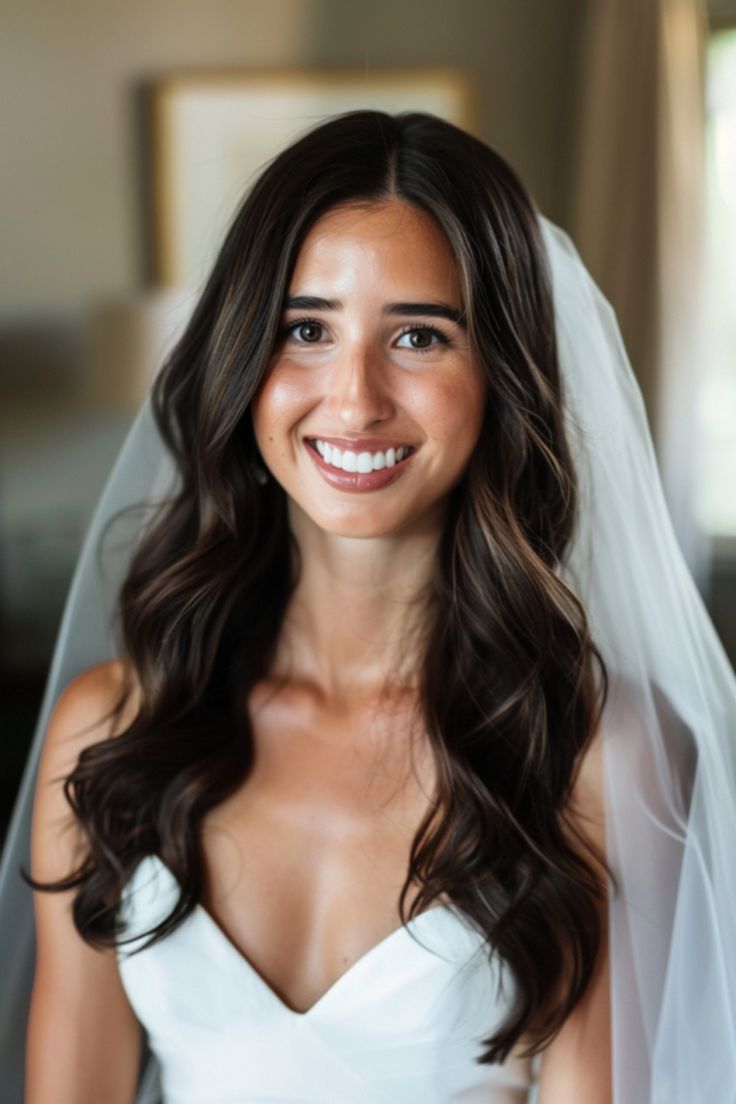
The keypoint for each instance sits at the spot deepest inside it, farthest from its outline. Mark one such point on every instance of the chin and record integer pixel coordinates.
(362, 528)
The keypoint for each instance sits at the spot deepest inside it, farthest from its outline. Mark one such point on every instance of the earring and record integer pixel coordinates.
(258, 473)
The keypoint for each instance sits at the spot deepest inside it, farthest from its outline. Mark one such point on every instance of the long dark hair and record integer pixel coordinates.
(509, 694)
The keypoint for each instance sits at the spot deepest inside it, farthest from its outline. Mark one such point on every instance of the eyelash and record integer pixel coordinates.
(441, 337)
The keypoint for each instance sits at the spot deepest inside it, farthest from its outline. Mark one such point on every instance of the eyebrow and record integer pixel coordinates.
(434, 310)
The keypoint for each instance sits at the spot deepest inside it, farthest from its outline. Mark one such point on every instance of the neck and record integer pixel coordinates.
(354, 622)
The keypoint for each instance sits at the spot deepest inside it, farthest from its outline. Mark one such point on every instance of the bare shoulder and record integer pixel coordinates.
(100, 702)
(618, 745)
(77, 990)
(586, 807)
(576, 1065)
(87, 709)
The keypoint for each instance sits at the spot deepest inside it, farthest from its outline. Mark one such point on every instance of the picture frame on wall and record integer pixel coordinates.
(213, 132)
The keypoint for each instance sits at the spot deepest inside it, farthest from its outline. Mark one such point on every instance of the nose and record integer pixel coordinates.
(359, 394)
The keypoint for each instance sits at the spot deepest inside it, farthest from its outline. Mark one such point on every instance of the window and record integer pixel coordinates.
(716, 490)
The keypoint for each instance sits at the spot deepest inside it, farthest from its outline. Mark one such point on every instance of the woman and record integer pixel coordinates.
(353, 688)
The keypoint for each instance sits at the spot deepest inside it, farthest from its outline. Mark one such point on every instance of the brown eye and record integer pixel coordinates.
(424, 338)
(420, 339)
(309, 331)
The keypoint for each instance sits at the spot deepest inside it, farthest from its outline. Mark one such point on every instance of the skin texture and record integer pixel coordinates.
(304, 862)
(366, 556)
(576, 1066)
(83, 1039)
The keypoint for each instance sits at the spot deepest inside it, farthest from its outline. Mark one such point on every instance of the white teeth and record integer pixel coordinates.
(349, 461)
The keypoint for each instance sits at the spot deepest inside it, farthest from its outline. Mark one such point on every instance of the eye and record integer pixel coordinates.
(311, 330)
(425, 331)
(308, 324)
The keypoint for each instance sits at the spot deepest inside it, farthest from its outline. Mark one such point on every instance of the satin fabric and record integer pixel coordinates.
(403, 1024)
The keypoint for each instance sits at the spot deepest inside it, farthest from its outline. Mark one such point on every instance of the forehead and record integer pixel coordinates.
(389, 240)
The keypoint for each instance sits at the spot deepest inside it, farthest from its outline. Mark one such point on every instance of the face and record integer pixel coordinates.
(375, 363)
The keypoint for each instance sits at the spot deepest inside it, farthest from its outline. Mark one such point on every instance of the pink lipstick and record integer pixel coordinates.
(358, 481)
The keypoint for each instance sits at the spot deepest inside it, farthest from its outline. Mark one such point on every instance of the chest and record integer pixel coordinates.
(304, 863)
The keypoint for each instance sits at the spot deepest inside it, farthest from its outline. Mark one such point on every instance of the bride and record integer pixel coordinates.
(331, 823)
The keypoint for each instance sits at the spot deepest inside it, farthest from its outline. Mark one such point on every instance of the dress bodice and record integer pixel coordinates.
(401, 1026)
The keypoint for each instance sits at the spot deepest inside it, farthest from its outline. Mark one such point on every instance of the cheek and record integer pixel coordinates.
(453, 408)
(281, 399)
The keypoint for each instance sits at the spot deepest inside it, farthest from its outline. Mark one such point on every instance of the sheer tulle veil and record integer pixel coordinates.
(669, 726)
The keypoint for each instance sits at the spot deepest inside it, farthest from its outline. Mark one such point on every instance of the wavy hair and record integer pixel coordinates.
(508, 690)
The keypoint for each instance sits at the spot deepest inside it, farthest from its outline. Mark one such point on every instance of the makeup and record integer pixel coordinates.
(358, 481)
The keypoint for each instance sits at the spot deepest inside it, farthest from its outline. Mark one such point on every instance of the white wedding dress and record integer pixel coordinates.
(401, 1026)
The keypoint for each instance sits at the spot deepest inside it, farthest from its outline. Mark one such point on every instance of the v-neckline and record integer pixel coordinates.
(339, 982)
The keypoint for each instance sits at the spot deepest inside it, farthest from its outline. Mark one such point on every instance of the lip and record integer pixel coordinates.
(360, 444)
(358, 481)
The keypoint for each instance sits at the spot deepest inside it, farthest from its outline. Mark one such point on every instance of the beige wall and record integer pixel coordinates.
(71, 192)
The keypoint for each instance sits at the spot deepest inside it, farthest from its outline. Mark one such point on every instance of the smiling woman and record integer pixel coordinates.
(352, 366)
(391, 770)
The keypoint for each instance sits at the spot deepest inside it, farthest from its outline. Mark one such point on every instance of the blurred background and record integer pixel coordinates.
(130, 133)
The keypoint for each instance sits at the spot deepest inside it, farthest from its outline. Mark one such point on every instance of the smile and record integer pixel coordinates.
(362, 471)
(347, 460)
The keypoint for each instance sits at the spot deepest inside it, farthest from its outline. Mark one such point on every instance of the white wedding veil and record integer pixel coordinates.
(669, 726)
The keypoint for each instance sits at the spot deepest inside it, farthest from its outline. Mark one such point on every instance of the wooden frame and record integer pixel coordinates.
(212, 132)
